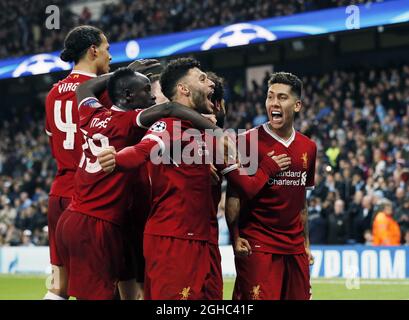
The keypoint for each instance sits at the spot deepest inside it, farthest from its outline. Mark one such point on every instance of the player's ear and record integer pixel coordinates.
(183, 89)
(298, 105)
(94, 50)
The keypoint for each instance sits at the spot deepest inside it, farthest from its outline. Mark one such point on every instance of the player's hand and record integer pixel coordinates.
(213, 174)
(107, 159)
(242, 247)
(210, 117)
(282, 160)
(229, 150)
(148, 67)
(140, 294)
(310, 256)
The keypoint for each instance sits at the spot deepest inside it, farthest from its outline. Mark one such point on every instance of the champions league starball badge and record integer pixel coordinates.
(159, 126)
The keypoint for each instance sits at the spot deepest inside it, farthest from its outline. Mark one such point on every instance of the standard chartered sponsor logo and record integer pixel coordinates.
(289, 178)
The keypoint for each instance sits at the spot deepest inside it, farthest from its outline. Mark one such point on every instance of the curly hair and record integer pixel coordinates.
(173, 72)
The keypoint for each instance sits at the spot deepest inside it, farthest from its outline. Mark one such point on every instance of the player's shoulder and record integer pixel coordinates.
(249, 132)
(123, 115)
(305, 140)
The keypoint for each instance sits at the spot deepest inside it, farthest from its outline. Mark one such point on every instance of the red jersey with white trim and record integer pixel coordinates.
(271, 221)
(181, 194)
(98, 194)
(63, 131)
(62, 127)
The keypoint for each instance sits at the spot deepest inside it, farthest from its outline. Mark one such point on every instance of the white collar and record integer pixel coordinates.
(285, 143)
(84, 73)
(115, 108)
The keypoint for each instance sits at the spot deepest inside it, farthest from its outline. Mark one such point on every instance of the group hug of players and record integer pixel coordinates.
(123, 225)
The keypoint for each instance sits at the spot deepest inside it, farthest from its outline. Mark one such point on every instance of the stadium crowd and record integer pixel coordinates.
(23, 31)
(359, 120)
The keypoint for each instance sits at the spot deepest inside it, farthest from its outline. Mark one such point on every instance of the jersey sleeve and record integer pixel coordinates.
(89, 102)
(311, 168)
(250, 185)
(159, 134)
(164, 132)
(105, 100)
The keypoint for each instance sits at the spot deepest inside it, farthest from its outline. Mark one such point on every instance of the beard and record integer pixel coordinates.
(199, 100)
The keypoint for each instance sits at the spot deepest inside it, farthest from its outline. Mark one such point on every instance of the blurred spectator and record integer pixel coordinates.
(26, 239)
(317, 222)
(352, 214)
(337, 224)
(406, 238)
(333, 152)
(368, 237)
(363, 219)
(401, 210)
(385, 229)
(22, 22)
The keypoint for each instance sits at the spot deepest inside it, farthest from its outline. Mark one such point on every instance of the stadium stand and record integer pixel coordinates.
(126, 19)
(359, 120)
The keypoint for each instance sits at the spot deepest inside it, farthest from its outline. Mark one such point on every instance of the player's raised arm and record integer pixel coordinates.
(176, 110)
(248, 186)
(92, 88)
(132, 157)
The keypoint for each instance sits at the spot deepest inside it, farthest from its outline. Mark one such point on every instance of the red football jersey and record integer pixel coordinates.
(271, 221)
(101, 195)
(180, 193)
(62, 127)
(63, 131)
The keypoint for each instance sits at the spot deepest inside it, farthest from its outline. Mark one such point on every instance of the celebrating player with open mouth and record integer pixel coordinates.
(270, 231)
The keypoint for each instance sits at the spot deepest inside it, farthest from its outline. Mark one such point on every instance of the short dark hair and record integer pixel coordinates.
(77, 42)
(289, 79)
(173, 72)
(218, 86)
(118, 82)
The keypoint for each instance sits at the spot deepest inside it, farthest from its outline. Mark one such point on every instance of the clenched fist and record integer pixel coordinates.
(106, 159)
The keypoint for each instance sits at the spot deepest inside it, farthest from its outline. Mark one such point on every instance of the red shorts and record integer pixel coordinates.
(92, 252)
(56, 206)
(214, 282)
(175, 269)
(266, 276)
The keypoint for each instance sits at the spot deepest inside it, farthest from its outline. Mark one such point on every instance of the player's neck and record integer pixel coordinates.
(85, 67)
(284, 133)
(183, 101)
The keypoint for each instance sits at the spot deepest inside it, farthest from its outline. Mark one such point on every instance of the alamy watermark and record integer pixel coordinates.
(191, 146)
(52, 22)
(353, 19)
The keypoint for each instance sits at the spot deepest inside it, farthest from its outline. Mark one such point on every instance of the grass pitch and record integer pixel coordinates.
(31, 287)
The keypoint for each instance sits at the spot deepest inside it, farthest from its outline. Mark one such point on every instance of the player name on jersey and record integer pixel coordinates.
(67, 87)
